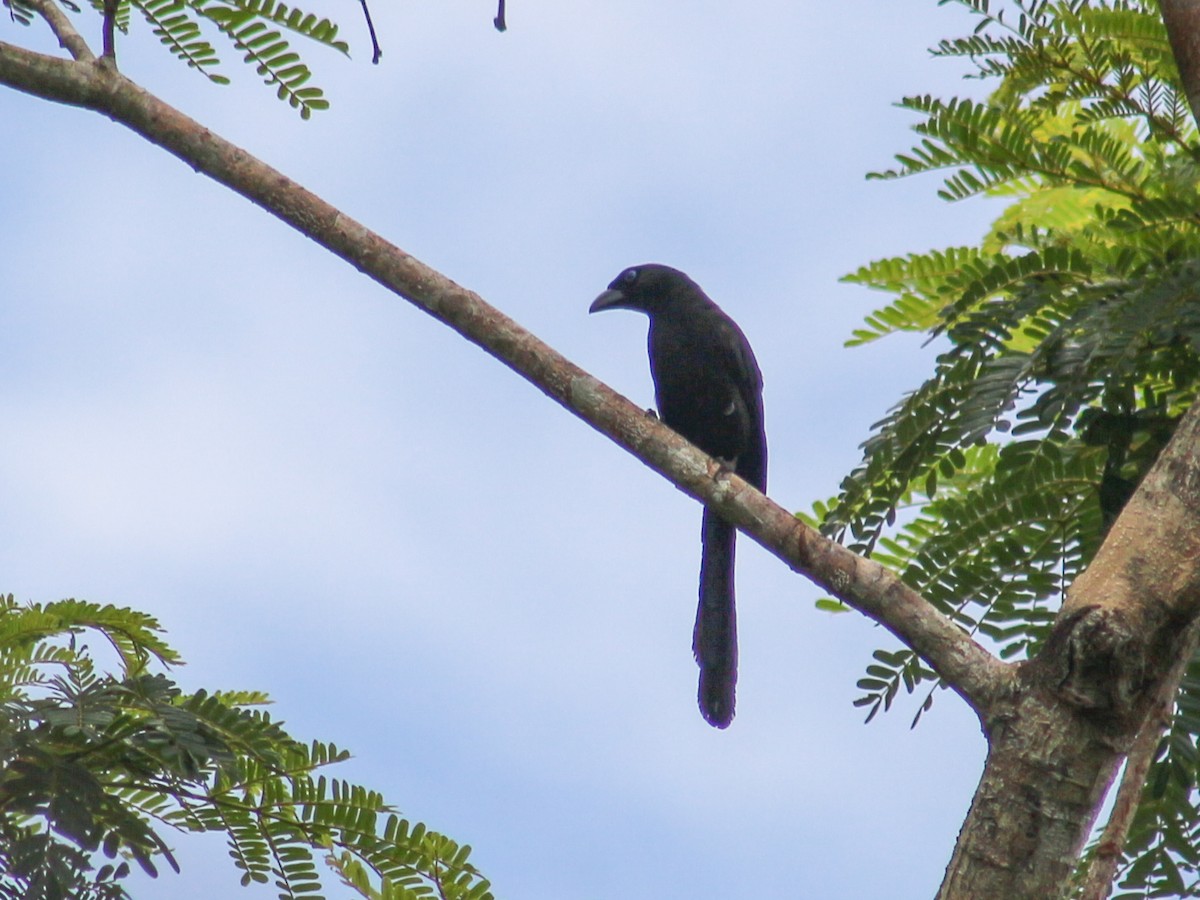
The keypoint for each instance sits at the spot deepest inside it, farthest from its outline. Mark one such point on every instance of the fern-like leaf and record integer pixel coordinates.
(173, 23)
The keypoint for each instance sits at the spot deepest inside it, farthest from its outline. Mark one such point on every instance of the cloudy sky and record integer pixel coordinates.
(324, 494)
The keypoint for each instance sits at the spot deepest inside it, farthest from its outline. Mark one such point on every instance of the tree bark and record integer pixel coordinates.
(1056, 741)
(1182, 18)
(1097, 883)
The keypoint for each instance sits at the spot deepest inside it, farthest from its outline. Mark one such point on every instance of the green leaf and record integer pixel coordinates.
(1068, 346)
(96, 765)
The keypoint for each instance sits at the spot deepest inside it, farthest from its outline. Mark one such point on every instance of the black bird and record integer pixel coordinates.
(709, 389)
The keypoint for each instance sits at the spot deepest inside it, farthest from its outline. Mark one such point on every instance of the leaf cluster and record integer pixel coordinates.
(1068, 346)
(1069, 335)
(96, 767)
(255, 28)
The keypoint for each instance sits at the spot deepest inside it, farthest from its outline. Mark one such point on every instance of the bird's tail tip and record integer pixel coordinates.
(716, 701)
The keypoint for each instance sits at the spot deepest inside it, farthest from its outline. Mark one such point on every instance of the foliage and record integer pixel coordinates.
(1069, 341)
(95, 767)
(254, 27)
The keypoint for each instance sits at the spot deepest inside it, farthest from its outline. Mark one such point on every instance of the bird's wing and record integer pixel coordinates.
(736, 358)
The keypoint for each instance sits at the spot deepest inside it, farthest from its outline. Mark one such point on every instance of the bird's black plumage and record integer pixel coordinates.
(709, 389)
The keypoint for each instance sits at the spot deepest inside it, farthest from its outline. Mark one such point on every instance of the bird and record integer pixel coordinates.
(708, 388)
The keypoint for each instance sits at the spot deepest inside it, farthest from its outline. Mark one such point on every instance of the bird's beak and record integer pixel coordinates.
(610, 299)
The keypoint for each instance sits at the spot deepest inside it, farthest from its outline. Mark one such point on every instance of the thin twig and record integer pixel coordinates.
(68, 38)
(1098, 883)
(376, 50)
(110, 31)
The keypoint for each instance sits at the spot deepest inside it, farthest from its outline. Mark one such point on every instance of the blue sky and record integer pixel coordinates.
(324, 494)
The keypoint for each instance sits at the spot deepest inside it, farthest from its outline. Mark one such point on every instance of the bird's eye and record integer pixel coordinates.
(629, 276)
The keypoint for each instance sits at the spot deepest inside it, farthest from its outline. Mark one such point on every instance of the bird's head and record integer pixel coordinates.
(648, 288)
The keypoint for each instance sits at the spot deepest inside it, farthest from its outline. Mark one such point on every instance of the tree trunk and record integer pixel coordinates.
(1057, 738)
(1055, 744)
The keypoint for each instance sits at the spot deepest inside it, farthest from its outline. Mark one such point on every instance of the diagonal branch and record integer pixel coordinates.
(867, 586)
(68, 38)
(1102, 871)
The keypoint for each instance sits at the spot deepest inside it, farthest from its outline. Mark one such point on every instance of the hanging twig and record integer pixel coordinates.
(499, 20)
(376, 50)
(109, 51)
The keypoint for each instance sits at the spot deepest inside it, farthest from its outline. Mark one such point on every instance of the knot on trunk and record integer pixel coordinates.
(1096, 661)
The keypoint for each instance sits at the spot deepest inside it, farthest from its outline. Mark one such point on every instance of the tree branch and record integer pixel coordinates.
(109, 50)
(1182, 18)
(68, 38)
(1091, 695)
(1146, 570)
(1102, 872)
(864, 584)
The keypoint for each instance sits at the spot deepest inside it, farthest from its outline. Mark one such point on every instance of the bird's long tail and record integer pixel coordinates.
(715, 639)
